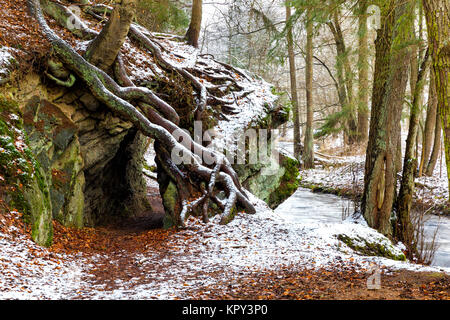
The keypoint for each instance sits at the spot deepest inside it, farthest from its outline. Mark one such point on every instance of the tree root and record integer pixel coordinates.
(153, 125)
(167, 65)
(205, 94)
(68, 19)
(67, 83)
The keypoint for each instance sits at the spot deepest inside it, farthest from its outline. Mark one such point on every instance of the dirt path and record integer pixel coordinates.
(254, 257)
(115, 251)
(117, 266)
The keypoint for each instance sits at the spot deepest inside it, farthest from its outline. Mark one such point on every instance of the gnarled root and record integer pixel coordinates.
(206, 94)
(145, 110)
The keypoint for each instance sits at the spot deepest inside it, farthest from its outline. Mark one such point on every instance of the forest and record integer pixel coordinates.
(224, 150)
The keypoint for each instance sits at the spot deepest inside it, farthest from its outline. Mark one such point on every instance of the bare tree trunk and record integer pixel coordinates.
(308, 154)
(430, 124)
(373, 194)
(391, 75)
(437, 13)
(345, 79)
(414, 71)
(398, 152)
(436, 146)
(193, 32)
(404, 230)
(103, 50)
(363, 74)
(293, 78)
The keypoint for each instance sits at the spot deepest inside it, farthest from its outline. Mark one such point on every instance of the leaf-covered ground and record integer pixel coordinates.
(255, 257)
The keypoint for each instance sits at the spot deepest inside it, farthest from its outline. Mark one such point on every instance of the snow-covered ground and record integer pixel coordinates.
(266, 240)
(346, 174)
(300, 233)
(29, 271)
(431, 191)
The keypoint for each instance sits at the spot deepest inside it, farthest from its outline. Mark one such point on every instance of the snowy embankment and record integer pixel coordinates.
(345, 174)
(431, 192)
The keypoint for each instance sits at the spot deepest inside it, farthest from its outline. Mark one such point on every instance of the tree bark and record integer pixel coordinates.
(193, 32)
(103, 50)
(373, 194)
(437, 13)
(363, 74)
(430, 124)
(404, 230)
(398, 152)
(392, 68)
(436, 145)
(293, 81)
(308, 154)
(345, 79)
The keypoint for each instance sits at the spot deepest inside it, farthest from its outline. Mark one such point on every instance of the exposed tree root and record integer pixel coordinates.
(158, 120)
(165, 64)
(211, 95)
(68, 19)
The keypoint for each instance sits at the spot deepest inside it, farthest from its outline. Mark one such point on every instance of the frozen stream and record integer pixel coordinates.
(305, 206)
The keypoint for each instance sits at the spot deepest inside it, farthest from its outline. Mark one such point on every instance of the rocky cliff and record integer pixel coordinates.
(67, 157)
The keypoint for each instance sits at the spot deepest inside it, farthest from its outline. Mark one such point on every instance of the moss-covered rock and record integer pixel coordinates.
(288, 183)
(272, 182)
(23, 184)
(67, 186)
(169, 198)
(372, 246)
(52, 138)
(40, 213)
(275, 180)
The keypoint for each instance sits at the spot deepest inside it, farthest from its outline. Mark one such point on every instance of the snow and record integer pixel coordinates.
(252, 109)
(348, 173)
(6, 62)
(139, 68)
(265, 240)
(434, 189)
(82, 45)
(251, 243)
(30, 272)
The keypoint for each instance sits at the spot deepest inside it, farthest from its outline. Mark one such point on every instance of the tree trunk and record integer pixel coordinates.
(436, 145)
(363, 74)
(193, 32)
(308, 154)
(293, 78)
(103, 50)
(404, 230)
(380, 175)
(345, 79)
(437, 14)
(398, 152)
(373, 193)
(430, 124)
